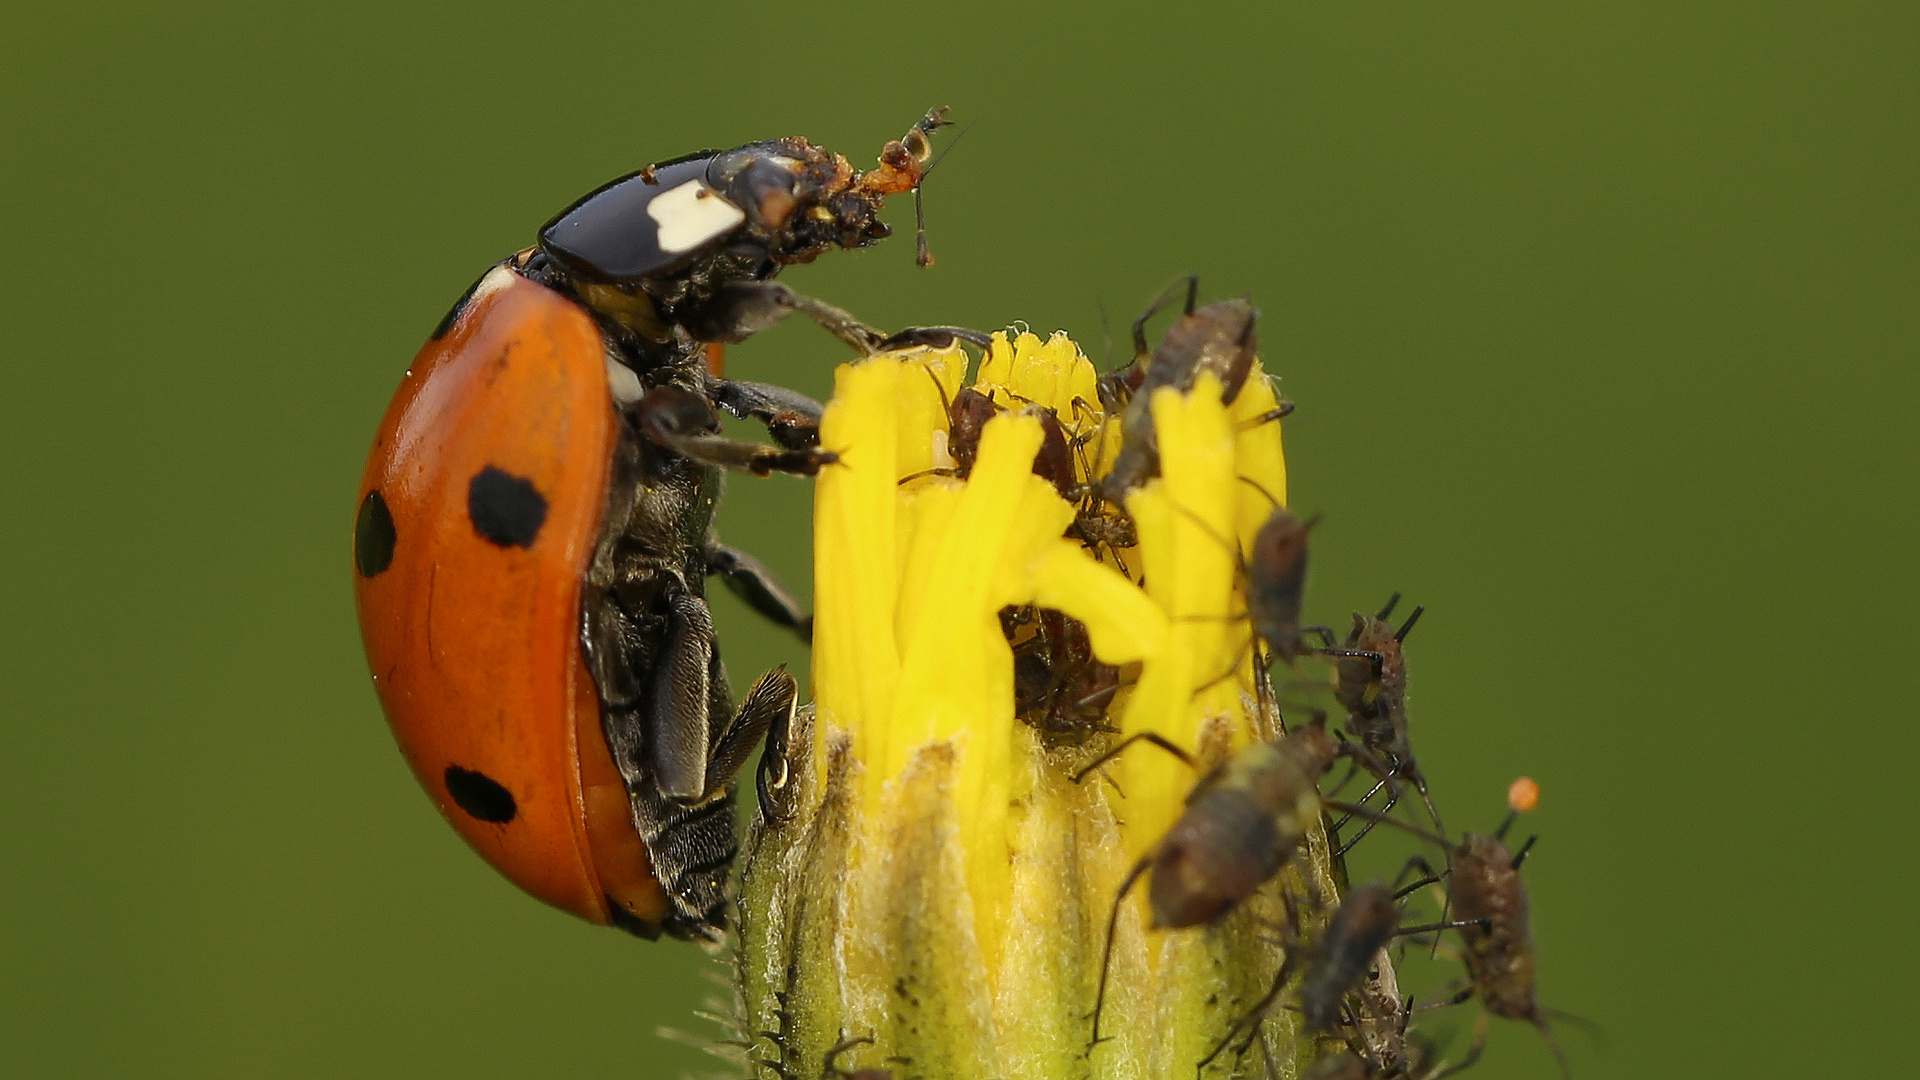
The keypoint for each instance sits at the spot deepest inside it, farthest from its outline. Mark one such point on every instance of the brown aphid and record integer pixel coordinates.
(1219, 337)
(1485, 893)
(1243, 821)
(1061, 689)
(967, 416)
(1370, 682)
(1276, 571)
(1343, 957)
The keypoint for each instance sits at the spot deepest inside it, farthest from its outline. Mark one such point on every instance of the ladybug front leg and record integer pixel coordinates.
(683, 421)
(745, 308)
(754, 583)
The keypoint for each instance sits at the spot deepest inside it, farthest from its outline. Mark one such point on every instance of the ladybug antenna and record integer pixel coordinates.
(923, 257)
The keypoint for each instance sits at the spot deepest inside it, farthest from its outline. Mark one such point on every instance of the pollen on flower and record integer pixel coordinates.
(986, 627)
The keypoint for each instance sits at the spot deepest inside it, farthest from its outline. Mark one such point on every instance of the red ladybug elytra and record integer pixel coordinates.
(535, 527)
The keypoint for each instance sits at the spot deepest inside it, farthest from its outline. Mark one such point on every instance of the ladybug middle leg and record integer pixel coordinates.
(682, 421)
(756, 585)
(790, 417)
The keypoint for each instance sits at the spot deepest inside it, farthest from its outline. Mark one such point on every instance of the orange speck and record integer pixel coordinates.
(1523, 794)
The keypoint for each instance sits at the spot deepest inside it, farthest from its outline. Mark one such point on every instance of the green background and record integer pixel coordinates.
(1600, 318)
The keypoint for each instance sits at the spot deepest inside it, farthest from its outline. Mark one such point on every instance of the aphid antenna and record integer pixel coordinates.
(1377, 817)
(1191, 282)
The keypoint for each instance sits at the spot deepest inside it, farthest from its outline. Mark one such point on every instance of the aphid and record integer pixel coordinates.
(1061, 689)
(1219, 338)
(1242, 822)
(1339, 961)
(1487, 897)
(1370, 682)
(967, 414)
(1275, 574)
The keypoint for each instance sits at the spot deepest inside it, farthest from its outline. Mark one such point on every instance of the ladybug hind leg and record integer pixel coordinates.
(765, 713)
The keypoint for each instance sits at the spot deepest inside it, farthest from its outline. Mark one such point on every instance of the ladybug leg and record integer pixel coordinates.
(745, 308)
(684, 422)
(792, 418)
(751, 581)
(766, 712)
(938, 337)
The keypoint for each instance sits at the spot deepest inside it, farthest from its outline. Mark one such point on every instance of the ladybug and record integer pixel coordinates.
(535, 526)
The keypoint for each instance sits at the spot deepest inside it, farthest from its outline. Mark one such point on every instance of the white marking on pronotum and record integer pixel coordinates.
(691, 215)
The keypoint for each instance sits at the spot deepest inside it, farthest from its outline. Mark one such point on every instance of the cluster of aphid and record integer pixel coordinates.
(536, 526)
(1245, 820)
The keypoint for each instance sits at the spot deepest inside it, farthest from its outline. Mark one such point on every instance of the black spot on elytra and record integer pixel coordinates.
(505, 508)
(373, 535)
(481, 795)
(453, 313)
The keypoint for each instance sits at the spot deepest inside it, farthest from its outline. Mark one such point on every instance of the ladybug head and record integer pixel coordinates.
(802, 200)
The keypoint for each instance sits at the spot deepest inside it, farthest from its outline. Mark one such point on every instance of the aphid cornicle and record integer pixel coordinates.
(536, 525)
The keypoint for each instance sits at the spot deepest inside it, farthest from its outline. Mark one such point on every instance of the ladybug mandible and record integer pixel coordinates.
(535, 526)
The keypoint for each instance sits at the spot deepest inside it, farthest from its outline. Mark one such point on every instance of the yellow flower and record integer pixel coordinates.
(940, 894)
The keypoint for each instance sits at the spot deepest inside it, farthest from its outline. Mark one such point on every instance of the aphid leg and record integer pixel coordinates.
(828, 1068)
(1473, 1052)
(1428, 877)
(1553, 1044)
(1427, 928)
(1275, 503)
(1251, 1020)
(1113, 924)
(1279, 412)
(1376, 816)
(1138, 736)
(1458, 997)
